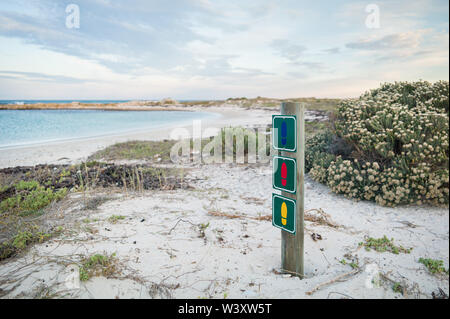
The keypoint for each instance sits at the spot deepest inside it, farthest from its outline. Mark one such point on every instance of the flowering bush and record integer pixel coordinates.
(390, 145)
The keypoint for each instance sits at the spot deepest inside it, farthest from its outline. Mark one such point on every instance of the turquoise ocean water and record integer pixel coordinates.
(23, 127)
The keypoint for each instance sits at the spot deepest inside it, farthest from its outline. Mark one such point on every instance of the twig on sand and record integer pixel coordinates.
(221, 214)
(293, 273)
(322, 218)
(339, 293)
(180, 220)
(338, 278)
(234, 216)
(403, 285)
(284, 271)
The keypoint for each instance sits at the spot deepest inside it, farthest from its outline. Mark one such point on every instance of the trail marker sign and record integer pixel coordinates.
(284, 213)
(284, 137)
(288, 138)
(285, 174)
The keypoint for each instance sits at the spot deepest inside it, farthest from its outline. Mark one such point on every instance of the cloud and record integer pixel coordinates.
(295, 54)
(405, 48)
(39, 77)
(218, 66)
(206, 48)
(334, 50)
(136, 35)
(292, 52)
(406, 40)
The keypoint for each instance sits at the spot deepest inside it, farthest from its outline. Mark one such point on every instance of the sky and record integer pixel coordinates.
(216, 49)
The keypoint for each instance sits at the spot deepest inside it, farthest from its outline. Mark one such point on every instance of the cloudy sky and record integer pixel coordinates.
(214, 49)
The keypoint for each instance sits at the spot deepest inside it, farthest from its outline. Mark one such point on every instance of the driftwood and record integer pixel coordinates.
(338, 278)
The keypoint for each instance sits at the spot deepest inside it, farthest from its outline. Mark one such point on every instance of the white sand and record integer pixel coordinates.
(163, 254)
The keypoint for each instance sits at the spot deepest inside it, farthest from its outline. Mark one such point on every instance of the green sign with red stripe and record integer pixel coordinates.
(284, 174)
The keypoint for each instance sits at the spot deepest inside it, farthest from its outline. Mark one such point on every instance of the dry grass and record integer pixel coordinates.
(154, 151)
(229, 216)
(320, 217)
(317, 216)
(234, 216)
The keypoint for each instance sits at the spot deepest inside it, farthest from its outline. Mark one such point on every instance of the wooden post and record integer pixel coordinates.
(292, 246)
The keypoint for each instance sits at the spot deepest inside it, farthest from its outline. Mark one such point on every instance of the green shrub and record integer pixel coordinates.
(21, 240)
(115, 218)
(397, 287)
(434, 266)
(384, 244)
(30, 197)
(390, 146)
(98, 265)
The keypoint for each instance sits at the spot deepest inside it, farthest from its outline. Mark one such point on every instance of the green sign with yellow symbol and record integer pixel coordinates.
(283, 213)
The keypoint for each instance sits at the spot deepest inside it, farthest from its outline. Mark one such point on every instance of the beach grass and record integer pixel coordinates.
(159, 151)
(136, 150)
(99, 265)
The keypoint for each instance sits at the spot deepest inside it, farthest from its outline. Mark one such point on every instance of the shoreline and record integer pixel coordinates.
(91, 108)
(111, 134)
(77, 150)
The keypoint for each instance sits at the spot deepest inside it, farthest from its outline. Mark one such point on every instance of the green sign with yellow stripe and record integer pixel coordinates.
(283, 213)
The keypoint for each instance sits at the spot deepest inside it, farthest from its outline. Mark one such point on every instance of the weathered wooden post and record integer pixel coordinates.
(288, 209)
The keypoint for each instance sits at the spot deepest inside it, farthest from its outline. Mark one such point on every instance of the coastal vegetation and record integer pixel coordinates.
(27, 194)
(28, 198)
(98, 265)
(389, 146)
(159, 151)
(22, 238)
(383, 244)
(113, 219)
(20, 204)
(434, 266)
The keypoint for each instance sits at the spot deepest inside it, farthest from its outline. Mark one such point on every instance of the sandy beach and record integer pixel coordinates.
(164, 251)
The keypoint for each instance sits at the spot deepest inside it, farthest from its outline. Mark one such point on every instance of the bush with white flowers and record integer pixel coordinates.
(390, 145)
